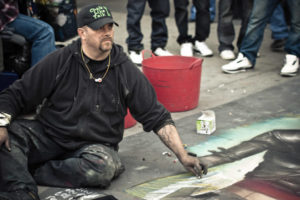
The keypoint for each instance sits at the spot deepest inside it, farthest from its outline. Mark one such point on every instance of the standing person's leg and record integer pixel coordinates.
(135, 11)
(279, 29)
(37, 32)
(293, 42)
(246, 6)
(225, 29)
(260, 15)
(292, 45)
(202, 27)
(29, 146)
(160, 10)
(181, 19)
(202, 20)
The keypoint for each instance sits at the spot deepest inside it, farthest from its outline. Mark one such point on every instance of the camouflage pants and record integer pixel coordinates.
(35, 158)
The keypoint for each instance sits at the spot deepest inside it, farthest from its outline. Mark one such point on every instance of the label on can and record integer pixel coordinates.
(206, 123)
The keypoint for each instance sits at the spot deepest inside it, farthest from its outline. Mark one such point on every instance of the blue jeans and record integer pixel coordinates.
(278, 24)
(160, 10)
(212, 11)
(261, 14)
(38, 33)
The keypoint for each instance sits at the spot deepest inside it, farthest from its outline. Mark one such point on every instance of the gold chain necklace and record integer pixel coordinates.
(97, 80)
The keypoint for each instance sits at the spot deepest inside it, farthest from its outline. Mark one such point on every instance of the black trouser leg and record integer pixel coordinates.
(135, 11)
(160, 10)
(92, 165)
(202, 20)
(29, 146)
(181, 19)
(225, 27)
(247, 6)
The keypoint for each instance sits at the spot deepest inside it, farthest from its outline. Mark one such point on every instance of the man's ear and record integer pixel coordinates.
(81, 32)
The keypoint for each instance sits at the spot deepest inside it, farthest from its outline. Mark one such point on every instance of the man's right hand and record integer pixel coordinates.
(4, 139)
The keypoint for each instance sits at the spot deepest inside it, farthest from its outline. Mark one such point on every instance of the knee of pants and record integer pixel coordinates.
(97, 171)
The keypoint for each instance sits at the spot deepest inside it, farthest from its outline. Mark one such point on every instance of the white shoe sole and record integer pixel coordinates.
(288, 74)
(237, 71)
(227, 58)
(204, 55)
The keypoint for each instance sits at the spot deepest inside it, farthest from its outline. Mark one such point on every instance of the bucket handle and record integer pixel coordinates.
(196, 62)
(143, 52)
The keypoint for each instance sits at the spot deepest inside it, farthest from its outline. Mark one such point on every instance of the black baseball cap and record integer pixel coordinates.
(94, 16)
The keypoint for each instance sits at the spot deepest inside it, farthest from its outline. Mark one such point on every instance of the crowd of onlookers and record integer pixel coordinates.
(283, 16)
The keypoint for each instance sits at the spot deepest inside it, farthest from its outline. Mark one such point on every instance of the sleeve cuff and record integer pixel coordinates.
(168, 121)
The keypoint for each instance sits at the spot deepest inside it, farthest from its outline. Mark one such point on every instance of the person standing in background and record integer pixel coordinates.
(279, 28)
(187, 43)
(160, 10)
(260, 16)
(225, 28)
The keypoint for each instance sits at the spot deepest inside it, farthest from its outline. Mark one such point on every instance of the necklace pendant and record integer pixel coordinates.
(98, 80)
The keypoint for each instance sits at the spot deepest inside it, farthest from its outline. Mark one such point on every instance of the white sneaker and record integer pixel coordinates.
(227, 54)
(291, 65)
(202, 49)
(162, 52)
(136, 57)
(240, 64)
(186, 49)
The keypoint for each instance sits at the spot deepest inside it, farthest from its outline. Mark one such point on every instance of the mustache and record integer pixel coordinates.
(107, 39)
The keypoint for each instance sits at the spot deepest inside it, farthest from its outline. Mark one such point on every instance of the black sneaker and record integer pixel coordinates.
(18, 195)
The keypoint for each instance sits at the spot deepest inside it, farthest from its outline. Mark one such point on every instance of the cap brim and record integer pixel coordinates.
(101, 22)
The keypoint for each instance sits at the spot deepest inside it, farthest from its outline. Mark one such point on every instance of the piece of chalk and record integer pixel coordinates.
(192, 154)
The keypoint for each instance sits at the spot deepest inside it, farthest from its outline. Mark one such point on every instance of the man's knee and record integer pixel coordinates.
(97, 171)
(100, 164)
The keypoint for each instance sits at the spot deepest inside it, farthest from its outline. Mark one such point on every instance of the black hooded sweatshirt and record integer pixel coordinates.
(76, 110)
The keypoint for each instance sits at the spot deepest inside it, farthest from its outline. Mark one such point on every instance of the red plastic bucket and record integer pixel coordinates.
(129, 120)
(176, 80)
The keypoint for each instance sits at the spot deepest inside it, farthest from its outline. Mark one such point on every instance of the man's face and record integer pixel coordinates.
(101, 39)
